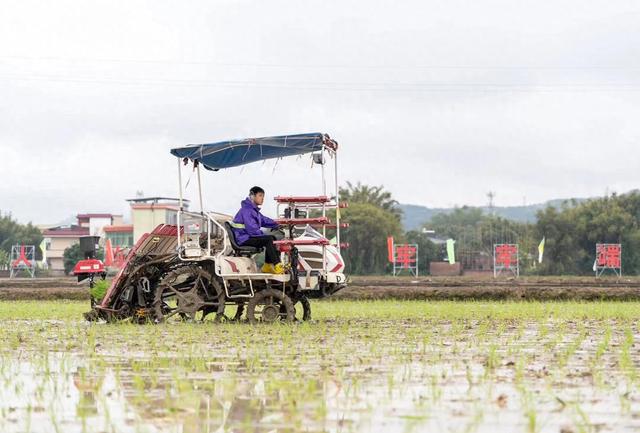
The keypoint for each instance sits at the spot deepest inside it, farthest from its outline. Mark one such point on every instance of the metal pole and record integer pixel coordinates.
(494, 262)
(180, 182)
(324, 212)
(324, 191)
(180, 209)
(200, 191)
(393, 250)
(337, 191)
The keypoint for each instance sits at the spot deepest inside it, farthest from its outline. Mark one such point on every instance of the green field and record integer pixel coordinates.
(391, 366)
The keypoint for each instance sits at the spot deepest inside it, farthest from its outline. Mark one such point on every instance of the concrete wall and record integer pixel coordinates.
(443, 269)
(96, 226)
(55, 252)
(146, 218)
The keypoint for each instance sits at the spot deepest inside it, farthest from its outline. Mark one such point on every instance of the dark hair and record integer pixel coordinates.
(255, 190)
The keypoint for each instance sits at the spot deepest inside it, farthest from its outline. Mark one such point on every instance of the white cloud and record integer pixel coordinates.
(439, 101)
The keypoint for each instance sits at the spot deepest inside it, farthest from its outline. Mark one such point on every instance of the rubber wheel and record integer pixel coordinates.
(269, 306)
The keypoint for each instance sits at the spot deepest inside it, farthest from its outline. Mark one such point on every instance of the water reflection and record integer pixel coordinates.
(60, 392)
(73, 392)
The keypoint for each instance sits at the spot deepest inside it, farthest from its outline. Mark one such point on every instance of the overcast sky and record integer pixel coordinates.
(439, 101)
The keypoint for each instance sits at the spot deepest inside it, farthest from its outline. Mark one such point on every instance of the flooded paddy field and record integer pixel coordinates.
(358, 366)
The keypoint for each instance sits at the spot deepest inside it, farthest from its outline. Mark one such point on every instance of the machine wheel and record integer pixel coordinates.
(218, 309)
(237, 317)
(239, 312)
(270, 305)
(306, 306)
(183, 293)
(300, 301)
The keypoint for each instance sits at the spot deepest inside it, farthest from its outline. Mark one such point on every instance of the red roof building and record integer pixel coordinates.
(59, 239)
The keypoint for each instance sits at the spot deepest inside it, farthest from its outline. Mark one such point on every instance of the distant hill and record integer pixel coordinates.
(414, 216)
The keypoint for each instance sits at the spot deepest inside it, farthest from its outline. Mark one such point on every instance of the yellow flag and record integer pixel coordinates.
(43, 248)
(541, 250)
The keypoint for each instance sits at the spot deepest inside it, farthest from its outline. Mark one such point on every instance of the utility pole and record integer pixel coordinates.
(491, 195)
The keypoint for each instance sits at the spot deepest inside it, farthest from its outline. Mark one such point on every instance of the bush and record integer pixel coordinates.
(99, 289)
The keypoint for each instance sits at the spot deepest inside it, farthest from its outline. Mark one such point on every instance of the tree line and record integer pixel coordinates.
(14, 233)
(571, 232)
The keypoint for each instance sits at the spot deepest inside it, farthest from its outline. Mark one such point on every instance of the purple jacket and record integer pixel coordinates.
(249, 220)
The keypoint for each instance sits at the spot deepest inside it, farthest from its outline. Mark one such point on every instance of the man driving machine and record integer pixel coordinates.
(253, 229)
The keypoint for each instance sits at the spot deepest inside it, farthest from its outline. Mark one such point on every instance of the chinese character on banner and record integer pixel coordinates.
(608, 256)
(405, 257)
(505, 258)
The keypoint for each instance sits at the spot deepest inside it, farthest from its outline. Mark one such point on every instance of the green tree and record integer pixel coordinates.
(369, 227)
(4, 259)
(374, 195)
(73, 255)
(476, 233)
(561, 252)
(573, 230)
(13, 233)
(427, 250)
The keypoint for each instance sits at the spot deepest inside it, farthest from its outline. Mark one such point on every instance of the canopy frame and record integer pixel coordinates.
(190, 153)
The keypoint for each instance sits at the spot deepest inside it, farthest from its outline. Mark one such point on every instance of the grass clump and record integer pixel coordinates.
(99, 289)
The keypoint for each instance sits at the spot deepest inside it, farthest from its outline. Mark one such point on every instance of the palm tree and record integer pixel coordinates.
(375, 195)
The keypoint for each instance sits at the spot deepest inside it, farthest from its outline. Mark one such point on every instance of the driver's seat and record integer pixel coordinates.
(240, 250)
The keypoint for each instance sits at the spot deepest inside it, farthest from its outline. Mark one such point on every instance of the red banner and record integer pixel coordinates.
(609, 256)
(406, 256)
(506, 256)
(390, 249)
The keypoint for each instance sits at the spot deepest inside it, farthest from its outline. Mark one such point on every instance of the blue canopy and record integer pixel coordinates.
(225, 154)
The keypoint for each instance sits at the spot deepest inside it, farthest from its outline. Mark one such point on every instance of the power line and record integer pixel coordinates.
(329, 85)
(316, 65)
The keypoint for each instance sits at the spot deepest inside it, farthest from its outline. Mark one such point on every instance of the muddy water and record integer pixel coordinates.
(381, 375)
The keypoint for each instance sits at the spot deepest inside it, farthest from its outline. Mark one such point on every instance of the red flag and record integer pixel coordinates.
(390, 249)
(108, 253)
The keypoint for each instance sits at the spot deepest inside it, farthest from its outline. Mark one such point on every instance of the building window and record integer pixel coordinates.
(123, 240)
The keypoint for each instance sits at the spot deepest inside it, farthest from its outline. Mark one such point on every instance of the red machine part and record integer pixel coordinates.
(161, 229)
(285, 245)
(333, 226)
(302, 199)
(301, 221)
(88, 266)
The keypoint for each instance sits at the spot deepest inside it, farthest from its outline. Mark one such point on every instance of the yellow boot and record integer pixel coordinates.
(278, 269)
(267, 268)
